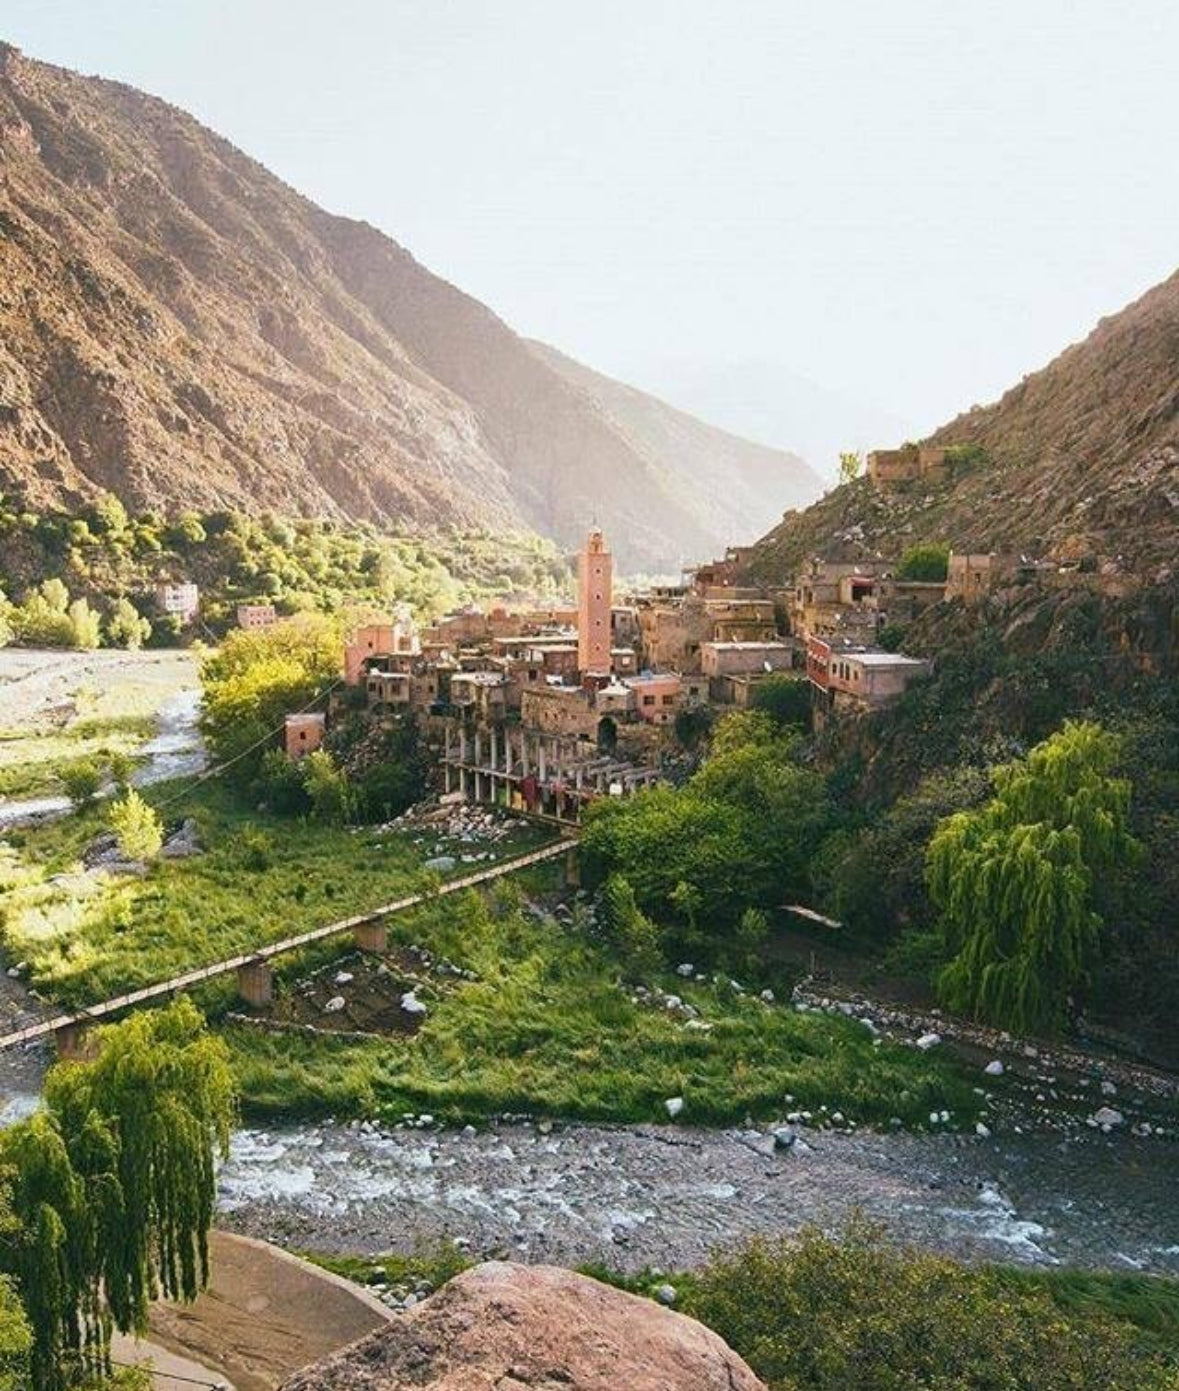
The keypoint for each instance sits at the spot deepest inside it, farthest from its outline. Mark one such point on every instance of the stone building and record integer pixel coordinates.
(894, 469)
(372, 642)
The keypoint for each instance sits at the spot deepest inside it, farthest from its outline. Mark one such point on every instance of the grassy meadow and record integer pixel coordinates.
(547, 1027)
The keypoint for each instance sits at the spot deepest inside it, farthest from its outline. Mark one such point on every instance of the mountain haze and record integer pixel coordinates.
(179, 327)
(1081, 462)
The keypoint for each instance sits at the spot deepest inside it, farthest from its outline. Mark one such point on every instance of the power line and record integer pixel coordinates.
(218, 769)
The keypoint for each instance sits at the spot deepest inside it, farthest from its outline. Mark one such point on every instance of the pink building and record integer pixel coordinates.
(377, 640)
(303, 734)
(595, 580)
(657, 695)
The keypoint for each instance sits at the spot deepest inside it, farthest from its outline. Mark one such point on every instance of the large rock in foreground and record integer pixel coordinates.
(533, 1328)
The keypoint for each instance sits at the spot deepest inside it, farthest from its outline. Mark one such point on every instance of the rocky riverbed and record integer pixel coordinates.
(664, 1196)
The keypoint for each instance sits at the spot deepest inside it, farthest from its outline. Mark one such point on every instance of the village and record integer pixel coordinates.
(542, 710)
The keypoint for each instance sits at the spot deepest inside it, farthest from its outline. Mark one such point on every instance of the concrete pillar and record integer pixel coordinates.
(524, 763)
(572, 868)
(371, 937)
(541, 752)
(74, 1044)
(255, 984)
(494, 757)
(446, 757)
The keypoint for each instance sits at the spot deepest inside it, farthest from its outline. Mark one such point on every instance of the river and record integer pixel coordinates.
(663, 1196)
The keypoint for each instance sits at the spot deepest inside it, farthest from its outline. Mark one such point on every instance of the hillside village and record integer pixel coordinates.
(543, 710)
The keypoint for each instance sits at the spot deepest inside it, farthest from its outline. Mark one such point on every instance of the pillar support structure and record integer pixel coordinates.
(371, 937)
(255, 984)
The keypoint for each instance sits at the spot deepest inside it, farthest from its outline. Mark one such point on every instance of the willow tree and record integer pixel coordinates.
(1013, 880)
(113, 1187)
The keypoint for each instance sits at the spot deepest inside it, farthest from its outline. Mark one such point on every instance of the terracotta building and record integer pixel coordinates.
(595, 585)
(303, 734)
(890, 469)
(374, 641)
(254, 616)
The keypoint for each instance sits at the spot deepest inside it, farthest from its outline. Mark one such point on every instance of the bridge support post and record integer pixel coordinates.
(371, 937)
(74, 1044)
(572, 869)
(255, 984)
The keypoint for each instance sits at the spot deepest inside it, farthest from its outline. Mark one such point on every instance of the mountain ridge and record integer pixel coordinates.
(180, 327)
(1079, 462)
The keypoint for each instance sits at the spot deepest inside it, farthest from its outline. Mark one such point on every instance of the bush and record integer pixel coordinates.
(786, 699)
(929, 561)
(327, 788)
(81, 780)
(137, 827)
(856, 1315)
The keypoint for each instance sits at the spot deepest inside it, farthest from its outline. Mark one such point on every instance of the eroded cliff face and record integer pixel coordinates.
(516, 1327)
(181, 328)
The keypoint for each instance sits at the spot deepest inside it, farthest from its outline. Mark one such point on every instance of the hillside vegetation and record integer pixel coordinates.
(110, 560)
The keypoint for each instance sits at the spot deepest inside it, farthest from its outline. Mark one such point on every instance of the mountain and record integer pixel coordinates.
(179, 327)
(1080, 461)
(731, 486)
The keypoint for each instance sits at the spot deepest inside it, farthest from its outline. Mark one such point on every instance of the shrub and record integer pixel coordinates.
(81, 780)
(137, 827)
(855, 1315)
(928, 561)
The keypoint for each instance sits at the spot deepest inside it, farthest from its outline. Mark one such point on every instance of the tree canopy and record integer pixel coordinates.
(112, 1187)
(1013, 880)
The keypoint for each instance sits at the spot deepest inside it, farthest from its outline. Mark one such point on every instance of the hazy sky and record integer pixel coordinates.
(909, 202)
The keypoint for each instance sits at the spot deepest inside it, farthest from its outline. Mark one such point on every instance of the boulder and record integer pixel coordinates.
(674, 1105)
(994, 1068)
(183, 843)
(516, 1328)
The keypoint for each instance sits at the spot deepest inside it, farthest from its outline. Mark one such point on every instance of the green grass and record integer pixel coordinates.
(87, 937)
(432, 1266)
(548, 1029)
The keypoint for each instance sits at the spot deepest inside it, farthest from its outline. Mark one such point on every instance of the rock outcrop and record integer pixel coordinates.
(533, 1328)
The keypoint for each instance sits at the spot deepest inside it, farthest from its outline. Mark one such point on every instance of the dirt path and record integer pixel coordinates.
(265, 1315)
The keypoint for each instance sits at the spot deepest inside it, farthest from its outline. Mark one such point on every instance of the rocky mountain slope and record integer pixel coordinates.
(516, 1327)
(179, 327)
(729, 485)
(1079, 461)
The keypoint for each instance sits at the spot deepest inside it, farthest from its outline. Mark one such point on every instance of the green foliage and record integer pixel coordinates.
(786, 699)
(851, 465)
(256, 678)
(854, 1314)
(739, 834)
(113, 1187)
(302, 565)
(928, 561)
(1014, 880)
(81, 780)
(327, 788)
(547, 1028)
(872, 878)
(16, 1339)
(633, 935)
(137, 826)
(125, 627)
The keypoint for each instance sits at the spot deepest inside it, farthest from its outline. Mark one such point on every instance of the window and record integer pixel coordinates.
(669, 700)
(648, 700)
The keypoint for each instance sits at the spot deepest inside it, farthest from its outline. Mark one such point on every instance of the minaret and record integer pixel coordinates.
(595, 577)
